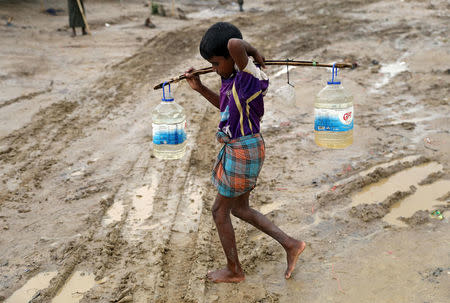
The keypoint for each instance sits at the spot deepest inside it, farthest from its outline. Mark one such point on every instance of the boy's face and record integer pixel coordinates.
(224, 67)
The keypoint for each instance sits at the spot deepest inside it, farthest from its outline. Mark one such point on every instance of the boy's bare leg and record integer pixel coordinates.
(293, 247)
(74, 33)
(221, 214)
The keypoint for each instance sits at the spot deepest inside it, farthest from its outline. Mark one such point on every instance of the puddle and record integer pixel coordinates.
(26, 292)
(114, 213)
(423, 199)
(142, 208)
(192, 208)
(400, 181)
(387, 164)
(72, 292)
(389, 71)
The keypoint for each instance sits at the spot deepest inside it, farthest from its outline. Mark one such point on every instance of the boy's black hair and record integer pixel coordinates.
(215, 40)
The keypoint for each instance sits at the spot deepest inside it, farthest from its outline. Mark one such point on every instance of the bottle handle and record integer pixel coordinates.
(333, 74)
(169, 98)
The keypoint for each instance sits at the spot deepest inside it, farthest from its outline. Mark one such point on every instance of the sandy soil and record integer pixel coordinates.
(84, 202)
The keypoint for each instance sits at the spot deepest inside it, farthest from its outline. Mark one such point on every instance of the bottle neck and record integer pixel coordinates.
(334, 82)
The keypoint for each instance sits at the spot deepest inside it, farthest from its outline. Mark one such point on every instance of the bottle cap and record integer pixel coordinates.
(167, 97)
(334, 74)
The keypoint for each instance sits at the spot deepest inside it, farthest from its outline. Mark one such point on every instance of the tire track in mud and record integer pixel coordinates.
(156, 260)
(55, 127)
(190, 228)
(26, 96)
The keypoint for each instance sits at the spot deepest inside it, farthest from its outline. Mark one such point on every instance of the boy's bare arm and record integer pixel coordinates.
(211, 96)
(240, 50)
(197, 85)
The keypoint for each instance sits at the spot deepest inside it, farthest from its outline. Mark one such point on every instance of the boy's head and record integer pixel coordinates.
(214, 47)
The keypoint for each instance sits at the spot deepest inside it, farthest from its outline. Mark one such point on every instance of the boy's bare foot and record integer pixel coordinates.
(292, 255)
(225, 275)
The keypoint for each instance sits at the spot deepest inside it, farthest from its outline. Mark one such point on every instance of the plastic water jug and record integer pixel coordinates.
(333, 113)
(286, 94)
(169, 128)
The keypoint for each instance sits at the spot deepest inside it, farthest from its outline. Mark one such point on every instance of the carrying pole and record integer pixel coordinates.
(266, 62)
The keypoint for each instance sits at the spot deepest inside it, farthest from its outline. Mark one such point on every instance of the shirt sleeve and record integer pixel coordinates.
(252, 69)
(250, 81)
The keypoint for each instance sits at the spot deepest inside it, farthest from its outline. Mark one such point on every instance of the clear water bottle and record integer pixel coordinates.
(169, 128)
(333, 111)
(286, 94)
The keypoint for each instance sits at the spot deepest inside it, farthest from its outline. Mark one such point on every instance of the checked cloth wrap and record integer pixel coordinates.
(238, 164)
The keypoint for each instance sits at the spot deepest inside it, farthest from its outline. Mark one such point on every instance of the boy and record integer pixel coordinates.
(239, 162)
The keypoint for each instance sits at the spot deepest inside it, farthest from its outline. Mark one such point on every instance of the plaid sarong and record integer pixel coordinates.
(238, 164)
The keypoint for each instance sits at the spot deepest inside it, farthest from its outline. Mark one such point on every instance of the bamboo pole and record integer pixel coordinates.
(84, 17)
(266, 62)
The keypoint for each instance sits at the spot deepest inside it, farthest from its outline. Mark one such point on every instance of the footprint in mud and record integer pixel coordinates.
(401, 195)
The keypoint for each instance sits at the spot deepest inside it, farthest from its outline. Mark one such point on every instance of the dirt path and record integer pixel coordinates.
(82, 193)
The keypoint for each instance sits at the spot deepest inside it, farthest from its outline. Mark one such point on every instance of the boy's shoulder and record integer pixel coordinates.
(253, 70)
(251, 80)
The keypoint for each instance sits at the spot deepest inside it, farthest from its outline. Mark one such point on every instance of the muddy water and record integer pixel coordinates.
(401, 181)
(114, 213)
(424, 198)
(72, 292)
(26, 292)
(141, 210)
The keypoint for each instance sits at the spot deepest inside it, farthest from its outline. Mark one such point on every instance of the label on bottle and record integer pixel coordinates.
(333, 120)
(169, 133)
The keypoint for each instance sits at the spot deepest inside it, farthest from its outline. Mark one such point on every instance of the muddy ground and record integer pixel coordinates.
(88, 213)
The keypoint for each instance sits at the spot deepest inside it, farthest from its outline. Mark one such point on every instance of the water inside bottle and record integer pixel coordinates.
(169, 129)
(333, 108)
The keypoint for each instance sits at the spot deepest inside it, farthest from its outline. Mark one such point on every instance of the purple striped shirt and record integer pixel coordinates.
(241, 101)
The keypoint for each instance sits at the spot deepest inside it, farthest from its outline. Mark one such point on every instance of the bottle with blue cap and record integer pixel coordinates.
(333, 115)
(169, 128)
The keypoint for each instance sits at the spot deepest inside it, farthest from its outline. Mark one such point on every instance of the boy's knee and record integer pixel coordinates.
(218, 214)
(239, 212)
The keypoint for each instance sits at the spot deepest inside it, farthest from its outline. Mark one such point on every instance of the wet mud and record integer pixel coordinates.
(83, 198)
(369, 212)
